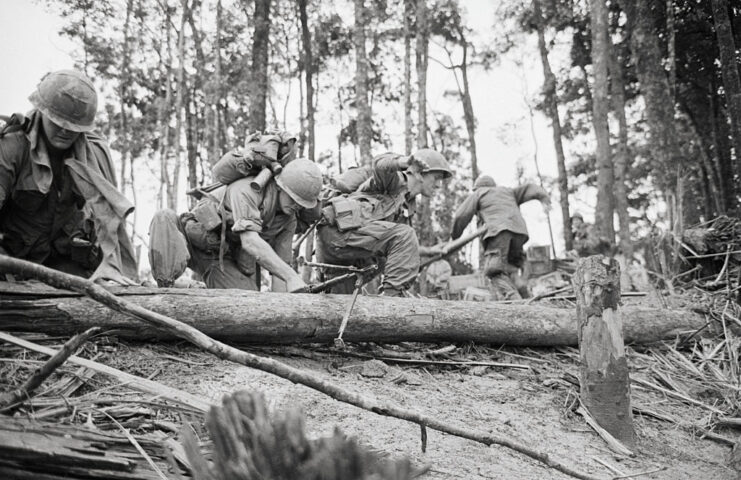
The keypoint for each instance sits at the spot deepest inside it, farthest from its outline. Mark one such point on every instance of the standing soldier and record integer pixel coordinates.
(374, 222)
(499, 209)
(234, 227)
(59, 205)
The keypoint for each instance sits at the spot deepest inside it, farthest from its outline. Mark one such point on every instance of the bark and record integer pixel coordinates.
(172, 190)
(600, 107)
(215, 124)
(603, 376)
(362, 106)
(654, 86)
(191, 142)
(280, 318)
(123, 83)
(622, 159)
(309, 70)
(259, 68)
(408, 140)
(421, 60)
(163, 116)
(730, 74)
(551, 102)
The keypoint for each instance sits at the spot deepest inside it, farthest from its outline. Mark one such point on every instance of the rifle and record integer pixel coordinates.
(454, 246)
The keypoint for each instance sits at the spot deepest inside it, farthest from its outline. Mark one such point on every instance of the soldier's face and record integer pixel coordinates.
(431, 181)
(58, 137)
(287, 205)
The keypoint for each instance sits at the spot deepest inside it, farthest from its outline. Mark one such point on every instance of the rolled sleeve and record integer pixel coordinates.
(244, 203)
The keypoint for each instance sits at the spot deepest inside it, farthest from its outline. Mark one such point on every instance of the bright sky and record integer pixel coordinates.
(31, 47)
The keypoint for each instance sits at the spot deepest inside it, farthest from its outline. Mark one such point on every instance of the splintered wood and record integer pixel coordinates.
(604, 380)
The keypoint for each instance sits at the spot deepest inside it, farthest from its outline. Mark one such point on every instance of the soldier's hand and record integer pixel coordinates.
(106, 274)
(296, 285)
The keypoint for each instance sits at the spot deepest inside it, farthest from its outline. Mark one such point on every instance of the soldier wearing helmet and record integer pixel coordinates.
(59, 205)
(369, 218)
(499, 209)
(236, 227)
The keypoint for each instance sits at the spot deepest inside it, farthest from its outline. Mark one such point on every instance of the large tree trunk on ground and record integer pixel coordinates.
(274, 318)
(729, 70)
(603, 215)
(551, 102)
(260, 47)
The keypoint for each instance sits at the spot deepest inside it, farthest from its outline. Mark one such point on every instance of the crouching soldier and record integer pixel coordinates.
(499, 209)
(234, 227)
(373, 223)
(59, 205)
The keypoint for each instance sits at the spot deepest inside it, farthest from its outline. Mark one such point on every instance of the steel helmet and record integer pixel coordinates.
(434, 161)
(484, 181)
(301, 179)
(67, 98)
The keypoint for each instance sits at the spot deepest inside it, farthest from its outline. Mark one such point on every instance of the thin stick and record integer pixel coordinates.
(25, 392)
(677, 395)
(612, 442)
(221, 350)
(632, 475)
(137, 446)
(422, 361)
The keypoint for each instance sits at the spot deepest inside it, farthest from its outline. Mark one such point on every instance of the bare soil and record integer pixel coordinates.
(530, 405)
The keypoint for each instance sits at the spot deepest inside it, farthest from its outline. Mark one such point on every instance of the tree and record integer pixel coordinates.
(729, 68)
(421, 57)
(408, 19)
(363, 122)
(600, 108)
(260, 45)
(622, 153)
(551, 101)
(308, 71)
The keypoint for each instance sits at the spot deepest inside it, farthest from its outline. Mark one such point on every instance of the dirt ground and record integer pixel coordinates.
(530, 405)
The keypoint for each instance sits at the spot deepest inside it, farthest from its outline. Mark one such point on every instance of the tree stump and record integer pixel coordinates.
(605, 385)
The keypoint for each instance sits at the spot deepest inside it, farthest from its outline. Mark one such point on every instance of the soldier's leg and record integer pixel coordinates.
(394, 242)
(496, 252)
(168, 248)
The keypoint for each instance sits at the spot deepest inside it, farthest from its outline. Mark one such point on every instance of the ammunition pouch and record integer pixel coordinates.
(206, 212)
(344, 212)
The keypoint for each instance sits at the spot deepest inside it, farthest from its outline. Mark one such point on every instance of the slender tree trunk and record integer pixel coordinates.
(654, 86)
(551, 100)
(260, 47)
(163, 116)
(215, 152)
(172, 191)
(309, 68)
(468, 115)
(408, 13)
(191, 140)
(622, 155)
(671, 50)
(422, 58)
(600, 108)
(123, 83)
(723, 158)
(363, 120)
(730, 74)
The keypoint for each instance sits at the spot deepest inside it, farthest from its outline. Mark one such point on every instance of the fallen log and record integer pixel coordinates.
(277, 318)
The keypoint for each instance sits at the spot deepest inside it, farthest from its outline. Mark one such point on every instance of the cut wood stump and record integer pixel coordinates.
(604, 380)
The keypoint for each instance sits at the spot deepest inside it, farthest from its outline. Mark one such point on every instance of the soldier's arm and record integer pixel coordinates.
(386, 170)
(253, 244)
(8, 171)
(530, 191)
(464, 214)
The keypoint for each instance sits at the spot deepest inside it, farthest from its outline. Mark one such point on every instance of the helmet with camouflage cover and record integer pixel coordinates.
(301, 179)
(67, 98)
(432, 161)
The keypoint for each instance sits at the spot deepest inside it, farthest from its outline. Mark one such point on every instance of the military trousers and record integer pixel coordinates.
(393, 245)
(503, 253)
(180, 242)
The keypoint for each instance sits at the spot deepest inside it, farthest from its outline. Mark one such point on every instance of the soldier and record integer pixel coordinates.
(374, 221)
(59, 205)
(233, 228)
(586, 239)
(499, 209)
